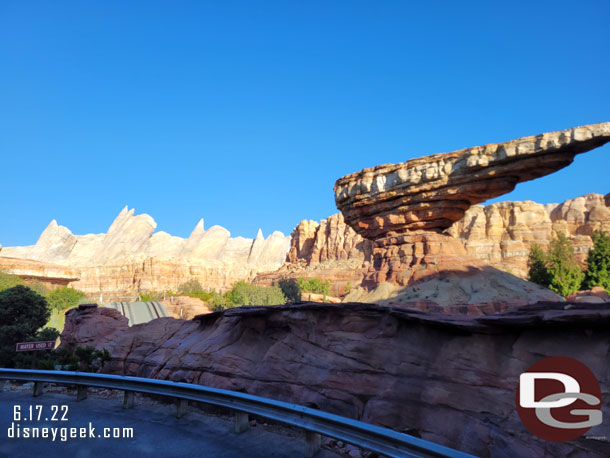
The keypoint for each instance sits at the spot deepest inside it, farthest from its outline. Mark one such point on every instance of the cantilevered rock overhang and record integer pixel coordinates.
(433, 192)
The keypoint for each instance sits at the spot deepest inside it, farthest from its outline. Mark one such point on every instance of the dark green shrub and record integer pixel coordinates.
(64, 298)
(290, 289)
(314, 285)
(598, 262)
(537, 265)
(244, 293)
(22, 313)
(190, 286)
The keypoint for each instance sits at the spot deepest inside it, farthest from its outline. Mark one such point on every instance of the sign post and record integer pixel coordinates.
(30, 346)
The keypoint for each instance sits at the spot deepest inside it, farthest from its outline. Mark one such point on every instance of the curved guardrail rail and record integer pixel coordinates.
(314, 422)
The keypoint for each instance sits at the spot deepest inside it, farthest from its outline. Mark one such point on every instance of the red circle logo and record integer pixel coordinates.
(559, 399)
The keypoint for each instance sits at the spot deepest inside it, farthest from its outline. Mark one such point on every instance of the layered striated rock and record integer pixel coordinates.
(132, 257)
(51, 275)
(404, 207)
(431, 193)
(329, 250)
(501, 234)
(451, 379)
(498, 235)
(330, 240)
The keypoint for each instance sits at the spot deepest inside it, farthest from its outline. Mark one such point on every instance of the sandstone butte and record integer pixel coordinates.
(449, 378)
(431, 193)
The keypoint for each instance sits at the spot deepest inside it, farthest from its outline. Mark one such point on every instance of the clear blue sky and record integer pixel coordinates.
(245, 113)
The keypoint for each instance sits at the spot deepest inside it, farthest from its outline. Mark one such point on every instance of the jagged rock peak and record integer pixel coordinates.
(198, 230)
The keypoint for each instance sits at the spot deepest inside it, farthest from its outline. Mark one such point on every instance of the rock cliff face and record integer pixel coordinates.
(497, 235)
(132, 257)
(433, 192)
(451, 378)
(501, 234)
(51, 275)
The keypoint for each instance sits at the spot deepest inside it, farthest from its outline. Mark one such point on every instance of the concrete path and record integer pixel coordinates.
(156, 431)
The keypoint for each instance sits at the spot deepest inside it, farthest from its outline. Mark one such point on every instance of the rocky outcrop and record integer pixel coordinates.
(501, 234)
(328, 250)
(431, 193)
(185, 307)
(331, 239)
(50, 275)
(449, 378)
(132, 257)
(498, 235)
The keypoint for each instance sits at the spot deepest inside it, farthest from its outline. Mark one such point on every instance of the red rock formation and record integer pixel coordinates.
(315, 243)
(597, 295)
(433, 192)
(185, 307)
(497, 235)
(451, 378)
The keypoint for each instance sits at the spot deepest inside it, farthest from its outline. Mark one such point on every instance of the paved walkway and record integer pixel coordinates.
(157, 432)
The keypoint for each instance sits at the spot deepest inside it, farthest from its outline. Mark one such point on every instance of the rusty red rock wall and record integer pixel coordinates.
(451, 378)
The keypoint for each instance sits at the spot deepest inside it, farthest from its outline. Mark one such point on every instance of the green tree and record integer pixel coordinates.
(537, 266)
(566, 272)
(557, 269)
(22, 313)
(64, 298)
(598, 262)
(290, 288)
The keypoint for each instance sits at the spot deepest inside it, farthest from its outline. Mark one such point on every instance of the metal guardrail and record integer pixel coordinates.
(314, 422)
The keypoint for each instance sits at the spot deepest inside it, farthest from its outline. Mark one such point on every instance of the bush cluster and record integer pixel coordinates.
(64, 298)
(242, 293)
(314, 285)
(558, 269)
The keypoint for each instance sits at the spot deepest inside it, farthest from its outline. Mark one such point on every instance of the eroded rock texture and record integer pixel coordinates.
(51, 275)
(431, 193)
(498, 235)
(501, 234)
(132, 257)
(452, 378)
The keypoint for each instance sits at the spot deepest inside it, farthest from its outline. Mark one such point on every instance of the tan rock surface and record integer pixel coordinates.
(450, 378)
(51, 275)
(185, 307)
(433, 192)
(501, 234)
(132, 257)
(497, 235)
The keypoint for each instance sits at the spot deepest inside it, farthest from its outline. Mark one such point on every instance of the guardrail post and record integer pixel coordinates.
(314, 441)
(128, 400)
(241, 422)
(37, 389)
(81, 393)
(181, 406)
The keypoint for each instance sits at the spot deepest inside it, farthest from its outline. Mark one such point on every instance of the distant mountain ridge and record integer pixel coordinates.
(131, 256)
